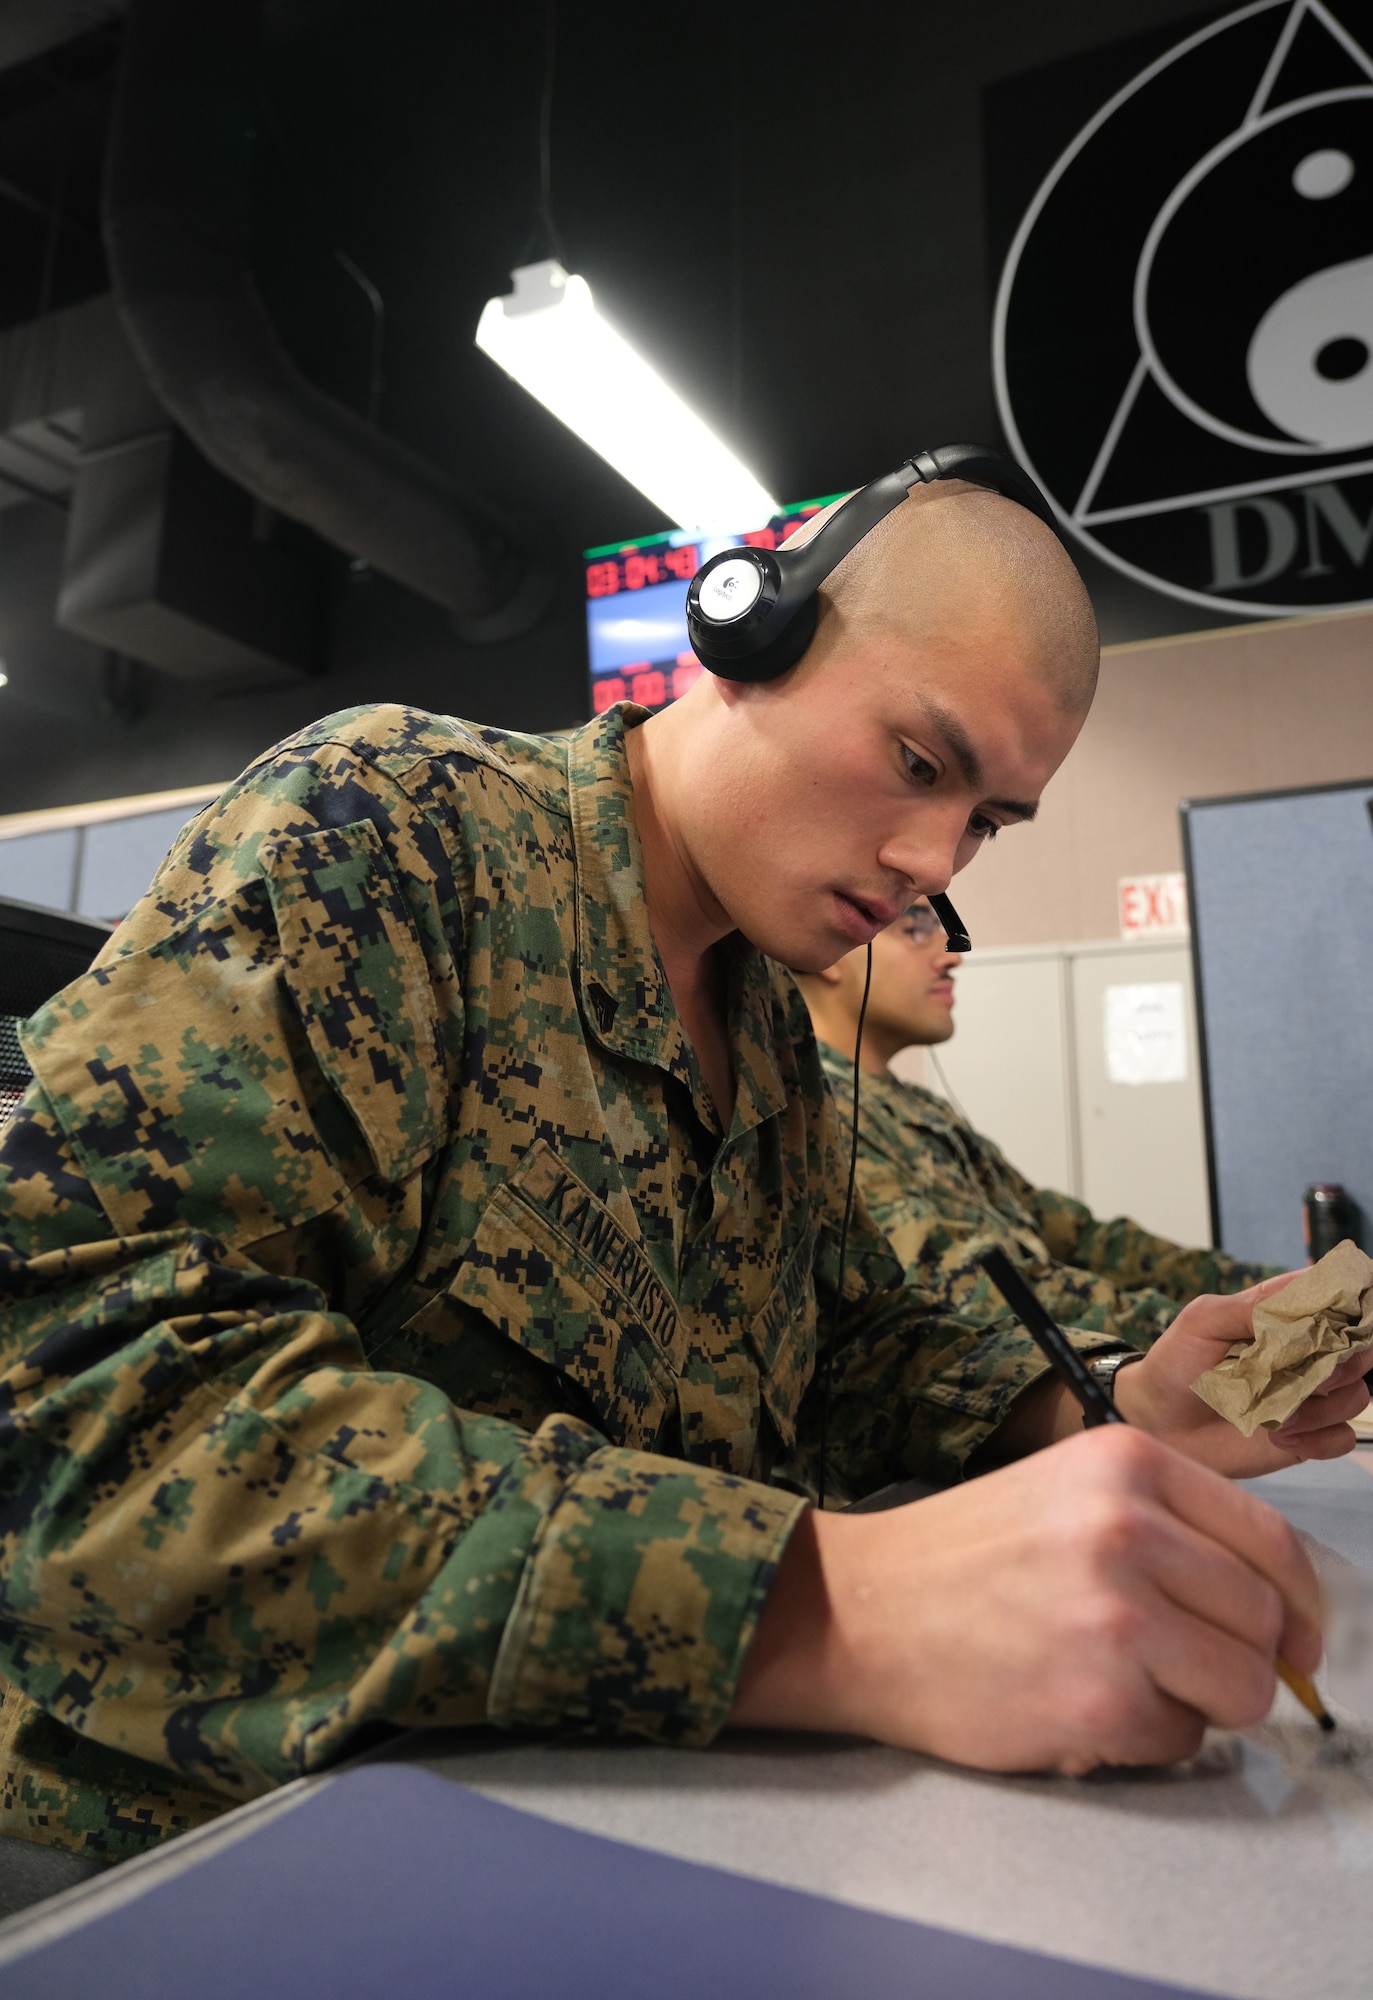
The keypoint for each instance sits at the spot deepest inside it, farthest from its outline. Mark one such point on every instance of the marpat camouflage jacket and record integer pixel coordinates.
(389, 1335)
(943, 1194)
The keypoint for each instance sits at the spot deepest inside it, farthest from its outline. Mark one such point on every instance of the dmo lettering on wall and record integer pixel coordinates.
(1183, 331)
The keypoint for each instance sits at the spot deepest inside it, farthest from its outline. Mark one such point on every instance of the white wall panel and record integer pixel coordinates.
(1009, 1064)
(1143, 1149)
(1028, 1064)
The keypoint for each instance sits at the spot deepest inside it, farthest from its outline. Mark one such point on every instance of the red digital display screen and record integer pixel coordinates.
(636, 608)
(634, 568)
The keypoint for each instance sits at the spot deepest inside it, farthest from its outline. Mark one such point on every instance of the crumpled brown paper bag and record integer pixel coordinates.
(1301, 1335)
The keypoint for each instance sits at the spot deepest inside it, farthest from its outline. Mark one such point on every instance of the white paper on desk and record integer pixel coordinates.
(1146, 1033)
(1347, 1618)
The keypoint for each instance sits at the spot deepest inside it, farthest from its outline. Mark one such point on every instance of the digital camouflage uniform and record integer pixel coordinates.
(943, 1194)
(388, 1333)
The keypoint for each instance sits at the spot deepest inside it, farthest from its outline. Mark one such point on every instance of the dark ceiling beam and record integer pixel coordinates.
(177, 190)
(29, 28)
(32, 204)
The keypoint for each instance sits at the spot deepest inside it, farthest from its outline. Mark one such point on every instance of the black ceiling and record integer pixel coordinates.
(784, 209)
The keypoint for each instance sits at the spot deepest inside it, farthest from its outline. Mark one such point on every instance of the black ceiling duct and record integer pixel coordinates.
(177, 232)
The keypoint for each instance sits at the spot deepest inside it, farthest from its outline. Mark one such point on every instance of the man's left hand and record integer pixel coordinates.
(1157, 1395)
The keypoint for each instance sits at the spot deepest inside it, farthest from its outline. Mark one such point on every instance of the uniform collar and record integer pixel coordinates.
(910, 1101)
(625, 998)
(624, 994)
(755, 1011)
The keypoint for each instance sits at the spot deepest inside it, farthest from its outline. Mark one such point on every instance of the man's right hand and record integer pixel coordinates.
(1096, 1603)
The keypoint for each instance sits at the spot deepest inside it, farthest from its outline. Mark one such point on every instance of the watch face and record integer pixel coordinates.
(731, 589)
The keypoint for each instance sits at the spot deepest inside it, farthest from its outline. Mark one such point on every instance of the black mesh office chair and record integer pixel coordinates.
(40, 952)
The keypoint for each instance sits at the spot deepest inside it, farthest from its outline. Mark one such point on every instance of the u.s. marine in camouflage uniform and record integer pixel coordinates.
(391, 1334)
(394, 1330)
(943, 1193)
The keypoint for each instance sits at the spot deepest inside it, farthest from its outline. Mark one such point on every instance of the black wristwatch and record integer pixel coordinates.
(1106, 1367)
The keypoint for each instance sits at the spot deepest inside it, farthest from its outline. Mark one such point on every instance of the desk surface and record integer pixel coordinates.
(1248, 1873)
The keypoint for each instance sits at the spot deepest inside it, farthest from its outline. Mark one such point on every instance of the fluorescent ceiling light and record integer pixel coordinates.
(549, 336)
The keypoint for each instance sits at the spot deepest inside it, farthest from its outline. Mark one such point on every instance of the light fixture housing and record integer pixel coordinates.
(548, 335)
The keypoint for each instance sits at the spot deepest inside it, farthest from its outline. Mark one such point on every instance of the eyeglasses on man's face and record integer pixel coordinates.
(918, 924)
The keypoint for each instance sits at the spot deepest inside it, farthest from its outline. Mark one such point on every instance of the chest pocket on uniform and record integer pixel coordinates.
(783, 1338)
(553, 1269)
(358, 977)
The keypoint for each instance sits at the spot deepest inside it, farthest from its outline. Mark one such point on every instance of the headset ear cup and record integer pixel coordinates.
(774, 659)
(744, 638)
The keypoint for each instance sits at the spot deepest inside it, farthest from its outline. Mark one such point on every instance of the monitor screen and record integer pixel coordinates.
(636, 607)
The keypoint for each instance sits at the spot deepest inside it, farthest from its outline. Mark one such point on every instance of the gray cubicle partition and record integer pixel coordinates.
(1281, 887)
(99, 869)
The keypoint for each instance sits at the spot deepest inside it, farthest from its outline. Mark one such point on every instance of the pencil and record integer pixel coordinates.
(1304, 1691)
(1097, 1408)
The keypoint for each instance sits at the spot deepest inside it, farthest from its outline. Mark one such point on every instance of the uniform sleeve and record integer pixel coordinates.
(1124, 1258)
(920, 1364)
(940, 1248)
(1131, 1257)
(918, 1383)
(229, 1546)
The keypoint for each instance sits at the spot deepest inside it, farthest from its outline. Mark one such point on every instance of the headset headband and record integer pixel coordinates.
(751, 613)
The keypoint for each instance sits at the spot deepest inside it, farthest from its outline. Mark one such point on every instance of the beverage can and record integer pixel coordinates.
(1328, 1215)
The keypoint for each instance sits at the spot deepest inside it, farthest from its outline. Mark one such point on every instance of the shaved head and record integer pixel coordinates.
(948, 677)
(953, 553)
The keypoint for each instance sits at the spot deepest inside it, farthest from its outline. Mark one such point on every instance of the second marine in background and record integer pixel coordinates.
(944, 1193)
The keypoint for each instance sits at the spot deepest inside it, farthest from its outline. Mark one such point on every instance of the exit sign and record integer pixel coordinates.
(1152, 905)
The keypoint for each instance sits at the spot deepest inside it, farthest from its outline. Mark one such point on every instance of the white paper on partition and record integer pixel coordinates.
(1146, 1033)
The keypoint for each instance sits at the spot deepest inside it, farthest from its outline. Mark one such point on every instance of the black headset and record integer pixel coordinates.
(751, 613)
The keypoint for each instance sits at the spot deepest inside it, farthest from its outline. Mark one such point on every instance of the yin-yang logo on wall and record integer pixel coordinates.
(1183, 339)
